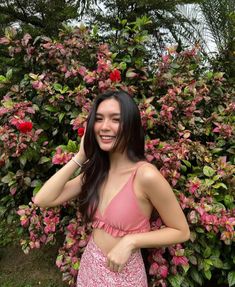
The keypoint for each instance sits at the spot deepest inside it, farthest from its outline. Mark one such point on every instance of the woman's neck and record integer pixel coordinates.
(119, 160)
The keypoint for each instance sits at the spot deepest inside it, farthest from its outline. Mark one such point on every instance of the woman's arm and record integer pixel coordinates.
(160, 194)
(59, 189)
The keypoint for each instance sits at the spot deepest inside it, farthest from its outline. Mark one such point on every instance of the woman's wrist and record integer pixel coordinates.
(76, 161)
(130, 240)
(79, 158)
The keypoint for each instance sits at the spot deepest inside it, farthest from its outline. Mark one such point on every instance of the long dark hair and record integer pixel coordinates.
(95, 170)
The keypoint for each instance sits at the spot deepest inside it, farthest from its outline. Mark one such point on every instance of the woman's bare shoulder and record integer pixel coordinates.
(149, 177)
(147, 171)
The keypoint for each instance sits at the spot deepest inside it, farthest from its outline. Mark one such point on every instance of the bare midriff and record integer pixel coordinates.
(104, 240)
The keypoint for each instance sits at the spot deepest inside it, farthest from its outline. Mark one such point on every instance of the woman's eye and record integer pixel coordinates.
(116, 120)
(98, 119)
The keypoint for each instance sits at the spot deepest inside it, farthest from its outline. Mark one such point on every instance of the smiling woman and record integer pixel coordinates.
(117, 191)
(106, 125)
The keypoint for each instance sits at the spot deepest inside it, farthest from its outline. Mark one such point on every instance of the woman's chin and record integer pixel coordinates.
(106, 148)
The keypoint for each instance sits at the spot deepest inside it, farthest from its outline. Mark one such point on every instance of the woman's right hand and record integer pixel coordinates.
(81, 153)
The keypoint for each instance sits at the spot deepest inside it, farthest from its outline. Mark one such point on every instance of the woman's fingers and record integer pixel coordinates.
(114, 267)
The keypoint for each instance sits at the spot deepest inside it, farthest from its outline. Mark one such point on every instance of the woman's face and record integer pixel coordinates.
(107, 123)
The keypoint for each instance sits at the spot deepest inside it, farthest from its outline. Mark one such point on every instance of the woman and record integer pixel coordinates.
(117, 190)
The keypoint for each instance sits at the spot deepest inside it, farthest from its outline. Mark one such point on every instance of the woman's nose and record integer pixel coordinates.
(105, 125)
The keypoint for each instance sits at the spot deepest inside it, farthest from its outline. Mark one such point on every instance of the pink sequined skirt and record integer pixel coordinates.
(94, 273)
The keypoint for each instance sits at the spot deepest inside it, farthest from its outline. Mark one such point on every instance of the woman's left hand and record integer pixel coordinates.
(119, 255)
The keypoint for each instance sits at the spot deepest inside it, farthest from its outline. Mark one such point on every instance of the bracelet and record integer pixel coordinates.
(77, 162)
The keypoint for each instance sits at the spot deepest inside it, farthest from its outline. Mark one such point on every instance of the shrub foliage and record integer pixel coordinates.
(187, 113)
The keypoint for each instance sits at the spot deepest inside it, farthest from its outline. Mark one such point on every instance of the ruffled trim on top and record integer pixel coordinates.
(115, 232)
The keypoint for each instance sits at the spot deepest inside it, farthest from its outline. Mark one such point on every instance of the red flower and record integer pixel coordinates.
(81, 132)
(115, 75)
(25, 127)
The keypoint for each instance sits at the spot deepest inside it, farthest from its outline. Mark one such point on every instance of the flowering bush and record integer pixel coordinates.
(187, 113)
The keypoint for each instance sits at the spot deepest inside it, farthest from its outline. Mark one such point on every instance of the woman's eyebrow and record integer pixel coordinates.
(113, 114)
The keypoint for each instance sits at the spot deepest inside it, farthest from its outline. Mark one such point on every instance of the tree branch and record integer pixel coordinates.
(19, 16)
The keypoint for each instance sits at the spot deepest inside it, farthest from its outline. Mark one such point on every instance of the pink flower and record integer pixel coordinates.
(103, 64)
(153, 270)
(38, 85)
(115, 75)
(25, 127)
(104, 85)
(61, 157)
(82, 71)
(194, 185)
(165, 58)
(5, 41)
(179, 260)
(13, 190)
(163, 271)
(166, 112)
(224, 130)
(90, 77)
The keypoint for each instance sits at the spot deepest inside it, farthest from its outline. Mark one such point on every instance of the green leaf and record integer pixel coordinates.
(206, 266)
(36, 182)
(127, 59)
(8, 104)
(51, 108)
(200, 230)
(7, 178)
(67, 107)
(207, 274)
(123, 22)
(231, 278)
(220, 184)
(44, 159)
(183, 168)
(122, 66)
(176, 280)
(2, 210)
(208, 171)
(33, 76)
(61, 116)
(75, 265)
(23, 159)
(216, 262)
(208, 262)
(185, 268)
(71, 146)
(217, 150)
(36, 189)
(216, 177)
(209, 182)
(9, 74)
(228, 199)
(209, 75)
(187, 163)
(57, 87)
(95, 30)
(65, 89)
(207, 252)
(196, 276)
(2, 78)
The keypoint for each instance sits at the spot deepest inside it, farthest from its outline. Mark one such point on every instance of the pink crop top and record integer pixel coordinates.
(123, 215)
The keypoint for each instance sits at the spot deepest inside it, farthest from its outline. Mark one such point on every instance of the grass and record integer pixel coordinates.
(35, 269)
